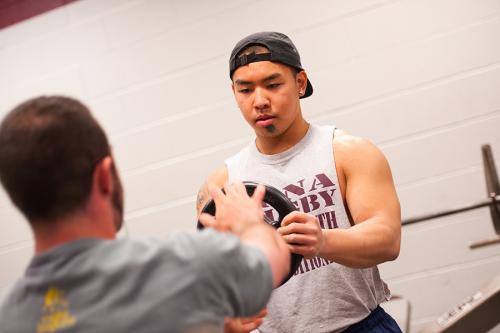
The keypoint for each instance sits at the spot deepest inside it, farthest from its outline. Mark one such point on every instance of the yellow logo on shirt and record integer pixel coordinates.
(55, 313)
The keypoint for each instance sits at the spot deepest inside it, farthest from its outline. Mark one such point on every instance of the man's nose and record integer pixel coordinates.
(261, 100)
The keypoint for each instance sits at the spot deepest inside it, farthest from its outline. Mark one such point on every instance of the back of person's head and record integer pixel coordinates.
(49, 147)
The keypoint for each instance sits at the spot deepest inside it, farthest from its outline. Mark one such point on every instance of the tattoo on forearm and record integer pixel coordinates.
(202, 197)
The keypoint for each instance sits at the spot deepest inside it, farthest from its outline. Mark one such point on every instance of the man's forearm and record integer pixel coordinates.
(364, 245)
(274, 247)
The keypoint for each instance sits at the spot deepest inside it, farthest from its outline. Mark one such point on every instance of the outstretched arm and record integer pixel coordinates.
(231, 325)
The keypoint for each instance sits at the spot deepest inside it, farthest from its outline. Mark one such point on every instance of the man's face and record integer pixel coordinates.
(267, 94)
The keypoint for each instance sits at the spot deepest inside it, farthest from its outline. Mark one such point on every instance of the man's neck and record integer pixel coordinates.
(49, 234)
(271, 145)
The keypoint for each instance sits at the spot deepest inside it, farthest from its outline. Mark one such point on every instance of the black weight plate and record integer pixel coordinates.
(276, 199)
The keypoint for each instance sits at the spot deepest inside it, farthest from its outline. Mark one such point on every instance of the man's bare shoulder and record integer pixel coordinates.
(344, 142)
(217, 177)
(352, 150)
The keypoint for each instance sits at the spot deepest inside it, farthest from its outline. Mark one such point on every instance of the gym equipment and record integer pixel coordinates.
(277, 200)
(480, 311)
(477, 313)
(493, 201)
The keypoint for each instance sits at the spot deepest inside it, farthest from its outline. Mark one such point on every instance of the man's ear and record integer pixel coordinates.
(232, 86)
(103, 176)
(301, 80)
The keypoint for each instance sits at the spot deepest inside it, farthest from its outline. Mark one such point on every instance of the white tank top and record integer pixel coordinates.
(322, 296)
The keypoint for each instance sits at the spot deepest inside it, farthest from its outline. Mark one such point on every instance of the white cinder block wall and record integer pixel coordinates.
(420, 78)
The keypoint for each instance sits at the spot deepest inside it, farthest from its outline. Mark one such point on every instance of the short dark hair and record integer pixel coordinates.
(49, 148)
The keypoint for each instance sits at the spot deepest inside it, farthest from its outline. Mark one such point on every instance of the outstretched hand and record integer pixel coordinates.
(235, 210)
(303, 234)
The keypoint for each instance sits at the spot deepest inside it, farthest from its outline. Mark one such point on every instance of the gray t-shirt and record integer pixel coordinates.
(187, 283)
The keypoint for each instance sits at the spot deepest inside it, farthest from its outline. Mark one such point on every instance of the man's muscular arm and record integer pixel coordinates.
(372, 201)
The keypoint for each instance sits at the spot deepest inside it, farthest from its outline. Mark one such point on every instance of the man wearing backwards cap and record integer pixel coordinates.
(348, 219)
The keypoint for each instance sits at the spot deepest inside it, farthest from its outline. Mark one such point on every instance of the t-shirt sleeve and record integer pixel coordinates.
(232, 279)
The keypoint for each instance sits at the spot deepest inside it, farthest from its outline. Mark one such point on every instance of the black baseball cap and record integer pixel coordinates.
(281, 49)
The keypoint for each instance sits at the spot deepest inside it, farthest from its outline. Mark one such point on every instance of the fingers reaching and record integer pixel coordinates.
(215, 193)
(235, 209)
(259, 193)
(207, 220)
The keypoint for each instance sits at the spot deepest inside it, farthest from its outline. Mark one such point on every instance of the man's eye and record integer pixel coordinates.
(244, 91)
(273, 85)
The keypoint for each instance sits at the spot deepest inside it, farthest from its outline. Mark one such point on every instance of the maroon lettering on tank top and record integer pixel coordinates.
(313, 196)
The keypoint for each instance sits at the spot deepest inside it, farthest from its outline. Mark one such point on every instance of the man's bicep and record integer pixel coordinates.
(370, 187)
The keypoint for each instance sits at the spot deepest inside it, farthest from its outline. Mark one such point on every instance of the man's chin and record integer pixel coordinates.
(268, 131)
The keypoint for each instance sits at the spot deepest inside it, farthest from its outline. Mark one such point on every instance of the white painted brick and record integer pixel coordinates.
(181, 137)
(172, 51)
(322, 11)
(140, 20)
(174, 181)
(400, 22)
(90, 9)
(63, 81)
(196, 88)
(445, 151)
(457, 232)
(39, 58)
(404, 67)
(87, 41)
(5, 84)
(143, 19)
(21, 65)
(420, 324)
(16, 259)
(101, 76)
(432, 294)
(163, 222)
(422, 109)
(444, 192)
(192, 10)
(14, 227)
